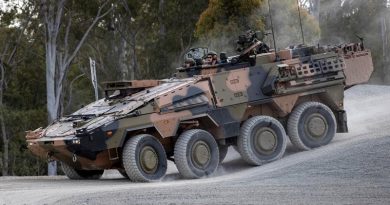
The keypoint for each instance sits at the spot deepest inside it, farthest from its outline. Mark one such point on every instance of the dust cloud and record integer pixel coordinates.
(366, 105)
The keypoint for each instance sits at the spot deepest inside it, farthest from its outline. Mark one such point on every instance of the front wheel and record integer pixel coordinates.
(78, 174)
(144, 159)
(196, 154)
(311, 125)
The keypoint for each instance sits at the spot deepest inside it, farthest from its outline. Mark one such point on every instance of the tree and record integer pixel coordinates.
(59, 55)
(163, 53)
(144, 39)
(385, 38)
(12, 38)
(225, 20)
(343, 21)
(236, 15)
(132, 18)
(313, 6)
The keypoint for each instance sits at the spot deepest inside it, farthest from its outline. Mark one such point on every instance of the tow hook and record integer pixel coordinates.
(74, 158)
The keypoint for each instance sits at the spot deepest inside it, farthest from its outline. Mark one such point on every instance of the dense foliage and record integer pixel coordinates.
(135, 39)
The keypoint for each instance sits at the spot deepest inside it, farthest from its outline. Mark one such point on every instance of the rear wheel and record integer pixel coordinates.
(144, 159)
(262, 139)
(196, 154)
(311, 125)
(73, 173)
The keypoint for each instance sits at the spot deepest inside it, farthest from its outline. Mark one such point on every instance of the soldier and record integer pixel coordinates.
(211, 59)
(189, 62)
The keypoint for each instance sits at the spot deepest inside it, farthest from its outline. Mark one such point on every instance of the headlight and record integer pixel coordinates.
(76, 141)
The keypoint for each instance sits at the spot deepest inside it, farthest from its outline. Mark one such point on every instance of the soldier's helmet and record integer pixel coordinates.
(212, 53)
(189, 62)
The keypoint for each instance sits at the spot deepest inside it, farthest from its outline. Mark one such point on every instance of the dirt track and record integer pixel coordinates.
(353, 169)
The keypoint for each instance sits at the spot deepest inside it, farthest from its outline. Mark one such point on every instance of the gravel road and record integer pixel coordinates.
(353, 169)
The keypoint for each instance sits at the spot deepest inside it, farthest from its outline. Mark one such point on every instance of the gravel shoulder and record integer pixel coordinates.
(353, 169)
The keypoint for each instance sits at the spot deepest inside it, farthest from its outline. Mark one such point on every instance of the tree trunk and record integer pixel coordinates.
(4, 136)
(123, 66)
(50, 81)
(161, 18)
(52, 109)
(57, 63)
(385, 49)
(5, 158)
(315, 8)
(134, 70)
(8, 58)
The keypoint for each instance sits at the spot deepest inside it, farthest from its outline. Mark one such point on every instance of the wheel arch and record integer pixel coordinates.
(334, 101)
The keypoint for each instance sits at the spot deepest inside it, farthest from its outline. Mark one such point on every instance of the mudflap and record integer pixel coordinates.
(341, 118)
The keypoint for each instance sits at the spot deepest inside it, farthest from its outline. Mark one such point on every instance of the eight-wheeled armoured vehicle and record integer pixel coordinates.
(255, 101)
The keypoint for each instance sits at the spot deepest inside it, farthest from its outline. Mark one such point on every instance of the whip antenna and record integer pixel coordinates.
(272, 28)
(300, 22)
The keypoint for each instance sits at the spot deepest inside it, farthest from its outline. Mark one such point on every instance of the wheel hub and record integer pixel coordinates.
(316, 125)
(148, 159)
(201, 154)
(265, 140)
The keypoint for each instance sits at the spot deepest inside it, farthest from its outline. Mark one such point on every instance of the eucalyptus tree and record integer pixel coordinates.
(224, 20)
(13, 28)
(57, 17)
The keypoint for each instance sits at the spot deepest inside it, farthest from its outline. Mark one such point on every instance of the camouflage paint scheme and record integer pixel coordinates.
(217, 98)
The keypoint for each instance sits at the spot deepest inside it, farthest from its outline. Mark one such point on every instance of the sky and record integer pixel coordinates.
(3, 3)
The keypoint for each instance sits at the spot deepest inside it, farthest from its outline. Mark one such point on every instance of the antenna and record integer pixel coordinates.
(300, 22)
(272, 28)
(361, 40)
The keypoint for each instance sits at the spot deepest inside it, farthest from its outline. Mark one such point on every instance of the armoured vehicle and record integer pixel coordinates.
(254, 101)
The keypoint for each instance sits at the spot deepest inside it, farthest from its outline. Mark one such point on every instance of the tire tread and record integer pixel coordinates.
(293, 121)
(72, 173)
(130, 161)
(180, 154)
(244, 144)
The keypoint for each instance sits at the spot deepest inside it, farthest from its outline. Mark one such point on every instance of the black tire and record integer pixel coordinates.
(311, 125)
(262, 139)
(223, 150)
(144, 159)
(196, 154)
(75, 174)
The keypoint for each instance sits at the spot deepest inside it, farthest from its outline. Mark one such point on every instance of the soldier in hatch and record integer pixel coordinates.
(211, 58)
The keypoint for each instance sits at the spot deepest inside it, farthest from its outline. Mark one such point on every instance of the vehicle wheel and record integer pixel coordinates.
(144, 159)
(73, 173)
(196, 154)
(223, 150)
(262, 139)
(310, 125)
